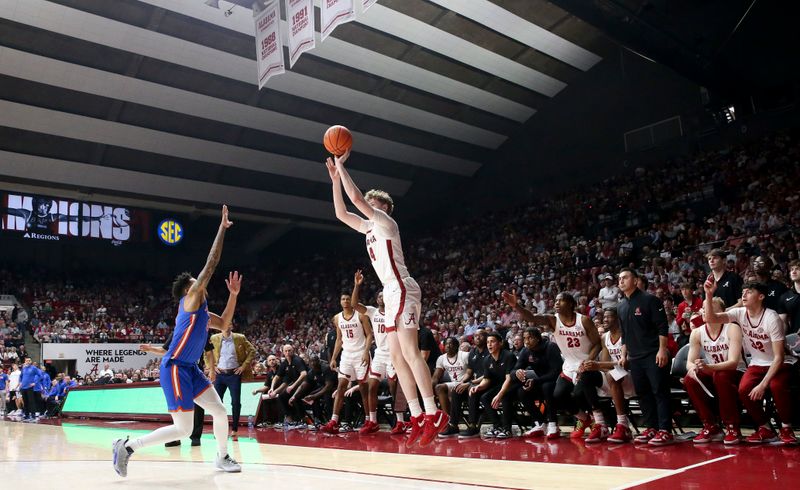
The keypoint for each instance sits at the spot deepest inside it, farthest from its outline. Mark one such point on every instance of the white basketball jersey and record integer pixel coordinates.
(455, 368)
(385, 249)
(715, 350)
(378, 321)
(353, 338)
(573, 342)
(614, 349)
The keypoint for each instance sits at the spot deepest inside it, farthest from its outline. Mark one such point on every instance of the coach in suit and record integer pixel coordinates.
(234, 356)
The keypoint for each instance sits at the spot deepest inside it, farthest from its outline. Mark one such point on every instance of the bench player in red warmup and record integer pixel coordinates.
(401, 295)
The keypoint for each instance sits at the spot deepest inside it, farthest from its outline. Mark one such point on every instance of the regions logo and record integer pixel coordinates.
(170, 232)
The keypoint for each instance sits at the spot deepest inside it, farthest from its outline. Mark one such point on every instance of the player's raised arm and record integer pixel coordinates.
(511, 300)
(342, 214)
(234, 283)
(357, 280)
(196, 292)
(355, 195)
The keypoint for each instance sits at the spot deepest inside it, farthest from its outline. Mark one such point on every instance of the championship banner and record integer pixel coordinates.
(334, 13)
(300, 17)
(90, 358)
(365, 4)
(269, 48)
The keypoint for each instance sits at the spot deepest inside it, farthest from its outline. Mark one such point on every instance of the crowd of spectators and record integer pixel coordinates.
(661, 220)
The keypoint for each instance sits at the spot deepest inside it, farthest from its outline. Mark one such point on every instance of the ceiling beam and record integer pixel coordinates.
(83, 175)
(364, 59)
(84, 128)
(515, 27)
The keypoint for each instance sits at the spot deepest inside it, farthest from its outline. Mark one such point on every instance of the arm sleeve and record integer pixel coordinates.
(658, 316)
(510, 364)
(167, 342)
(522, 360)
(384, 221)
(554, 363)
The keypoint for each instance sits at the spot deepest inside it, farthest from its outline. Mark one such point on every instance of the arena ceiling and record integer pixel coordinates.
(154, 102)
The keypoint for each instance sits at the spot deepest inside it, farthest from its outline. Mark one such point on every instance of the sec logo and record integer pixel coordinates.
(170, 232)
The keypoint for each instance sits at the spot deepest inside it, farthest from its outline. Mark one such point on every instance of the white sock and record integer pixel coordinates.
(373, 416)
(430, 405)
(552, 427)
(413, 406)
(335, 417)
(598, 417)
(183, 423)
(401, 416)
(622, 420)
(211, 403)
(786, 425)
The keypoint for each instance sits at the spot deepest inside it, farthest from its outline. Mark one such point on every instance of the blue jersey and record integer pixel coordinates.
(3, 381)
(45, 383)
(189, 337)
(29, 378)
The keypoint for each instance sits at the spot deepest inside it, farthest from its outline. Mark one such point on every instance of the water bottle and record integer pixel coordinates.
(250, 422)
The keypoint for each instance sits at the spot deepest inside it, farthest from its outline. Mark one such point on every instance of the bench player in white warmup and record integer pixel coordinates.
(353, 339)
(401, 295)
(381, 366)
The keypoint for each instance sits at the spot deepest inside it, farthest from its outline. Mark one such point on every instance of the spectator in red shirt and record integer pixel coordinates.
(687, 318)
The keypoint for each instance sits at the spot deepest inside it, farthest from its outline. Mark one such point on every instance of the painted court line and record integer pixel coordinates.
(673, 472)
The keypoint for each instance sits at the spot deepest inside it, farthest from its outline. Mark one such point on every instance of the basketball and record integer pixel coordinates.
(338, 140)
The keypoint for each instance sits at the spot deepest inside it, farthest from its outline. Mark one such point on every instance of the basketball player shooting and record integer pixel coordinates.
(183, 382)
(401, 295)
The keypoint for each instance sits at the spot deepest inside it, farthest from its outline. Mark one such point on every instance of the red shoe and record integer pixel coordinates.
(645, 436)
(761, 436)
(787, 435)
(710, 433)
(400, 428)
(662, 438)
(332, 427)
(580, 429)
(369, 427)
(417, 424)
(733, 436)
(434, 424)
(621, 434)
(599, 433)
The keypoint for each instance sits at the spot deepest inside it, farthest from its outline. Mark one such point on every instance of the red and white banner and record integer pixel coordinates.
(269, 48)
(334, 13)
(300, 18)
(365, 4)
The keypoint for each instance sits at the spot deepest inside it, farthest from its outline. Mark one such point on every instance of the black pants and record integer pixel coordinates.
(485, 398)
(234, 383)
(542, 392)
(456, 403)
(507, 404)
(297, 410)
(31, 405)
(578, 396)
(652, 387)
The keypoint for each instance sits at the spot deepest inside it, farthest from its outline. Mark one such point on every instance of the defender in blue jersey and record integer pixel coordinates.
(183, 383)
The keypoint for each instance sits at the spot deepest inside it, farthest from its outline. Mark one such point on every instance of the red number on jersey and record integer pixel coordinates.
(573, 342)
(717, 358)
(372, 254)
(350, 334)
(757, 345)
(382, 328)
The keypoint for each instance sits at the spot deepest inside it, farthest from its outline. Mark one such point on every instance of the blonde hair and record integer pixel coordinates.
(381, 196)
(719, 303)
